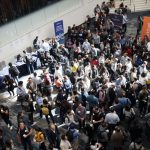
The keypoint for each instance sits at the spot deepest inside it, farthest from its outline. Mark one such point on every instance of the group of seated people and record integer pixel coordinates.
(99, 81)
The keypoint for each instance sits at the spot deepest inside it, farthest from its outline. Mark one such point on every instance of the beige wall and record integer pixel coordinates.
(18, 35)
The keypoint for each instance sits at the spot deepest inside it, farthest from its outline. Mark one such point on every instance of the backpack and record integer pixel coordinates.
(68, 119)
(45, 110)
(38, 136)
(14, 71)
(46, 81)
(134, 148)
(69, 135)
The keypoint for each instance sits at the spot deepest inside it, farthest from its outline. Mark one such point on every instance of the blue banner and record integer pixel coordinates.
(117, 20)
(59, 31)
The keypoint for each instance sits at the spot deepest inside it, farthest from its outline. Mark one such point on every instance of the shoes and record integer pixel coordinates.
(11, 127)
(8, 126)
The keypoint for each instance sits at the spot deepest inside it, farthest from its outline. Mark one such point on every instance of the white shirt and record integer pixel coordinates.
(114, 66)
(86, 46)
(112, 118)
(45, 46)
(128, 66)
(21, 90)
(37, 80)
(142, 80)
(125, 19)
(102, 59)
(58, 73)
(148, 46)
(123, 60)
(87, 70)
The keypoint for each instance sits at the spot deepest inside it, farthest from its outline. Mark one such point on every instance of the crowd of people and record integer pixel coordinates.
(101, 79)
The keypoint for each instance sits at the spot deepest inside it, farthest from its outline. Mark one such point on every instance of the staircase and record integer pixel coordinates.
(135, 5)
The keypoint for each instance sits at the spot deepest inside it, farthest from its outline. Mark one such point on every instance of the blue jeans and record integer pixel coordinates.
(7, 121)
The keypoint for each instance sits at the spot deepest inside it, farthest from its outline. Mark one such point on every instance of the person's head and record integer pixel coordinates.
(24, 52)
(117, 129)
(45, 102)
(64, 137)
(20, 83)
(65, 78)
(139, 141)
(34, 74)
(127, 108)
(7, 77)
(79, 105)
(82, 90)
(9, 144)
(37, 129)
(112, 110)
(10, 64)
(21, 113)
(57, 67)
(56, 78)
(21, 125)
(96, 110)
(52, 126)
(29, 79)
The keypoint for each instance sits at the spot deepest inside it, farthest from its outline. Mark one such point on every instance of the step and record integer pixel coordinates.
(136, 5)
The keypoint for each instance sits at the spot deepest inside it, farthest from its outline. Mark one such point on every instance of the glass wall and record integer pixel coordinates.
(13, 9)
(36, 20)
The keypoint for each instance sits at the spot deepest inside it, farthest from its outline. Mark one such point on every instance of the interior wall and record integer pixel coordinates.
(19, 34)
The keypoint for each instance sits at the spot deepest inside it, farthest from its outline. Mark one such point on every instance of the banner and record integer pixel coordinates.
(146, 27)
(117, 20)
(59, 31)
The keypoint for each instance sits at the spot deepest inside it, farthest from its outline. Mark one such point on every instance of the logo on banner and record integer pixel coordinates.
(59, 31)
(146, 27)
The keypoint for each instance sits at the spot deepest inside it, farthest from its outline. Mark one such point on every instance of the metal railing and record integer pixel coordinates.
(132, 3)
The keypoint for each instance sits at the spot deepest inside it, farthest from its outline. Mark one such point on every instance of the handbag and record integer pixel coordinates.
(18, 139)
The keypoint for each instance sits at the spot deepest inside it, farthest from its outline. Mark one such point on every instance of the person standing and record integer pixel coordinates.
(39, 139)
(47, 84)
(38, 81)
(117, 139)
(67, 86)
(1, 139)
(24, 134)
(21, 93)
(4, 112)
(112, 119)
(140, 24)
(53, 136)
(124, 23)
(46, 110)
(14, 72)
(81, 115)
(32, 88)
(28, 61)
(64, 143)
(36, 42)
(137, 145)
(9, 84)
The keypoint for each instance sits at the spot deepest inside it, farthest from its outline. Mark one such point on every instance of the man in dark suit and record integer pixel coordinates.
(53, 136)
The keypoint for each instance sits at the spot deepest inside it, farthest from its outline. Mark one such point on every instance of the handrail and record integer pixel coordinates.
(133, 5)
